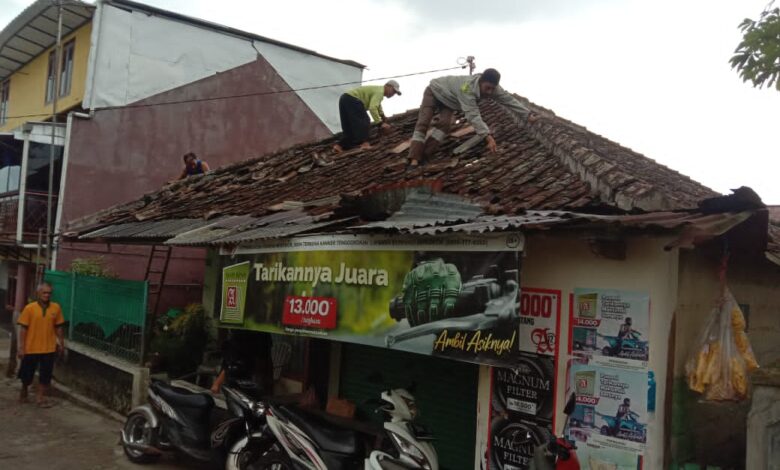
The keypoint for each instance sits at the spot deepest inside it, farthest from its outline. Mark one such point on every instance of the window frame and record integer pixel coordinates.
(51, 78)
(66, 67)
(5, 98)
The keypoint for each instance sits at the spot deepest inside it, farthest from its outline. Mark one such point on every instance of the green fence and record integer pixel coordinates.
(106, 314)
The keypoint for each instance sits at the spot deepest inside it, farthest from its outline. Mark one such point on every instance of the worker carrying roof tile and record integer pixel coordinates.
(459, 93)
(352, 109)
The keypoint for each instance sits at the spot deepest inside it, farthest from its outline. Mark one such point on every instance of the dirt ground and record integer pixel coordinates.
(64, 437)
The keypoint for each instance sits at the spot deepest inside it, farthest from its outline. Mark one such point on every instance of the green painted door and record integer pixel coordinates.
(445, 390)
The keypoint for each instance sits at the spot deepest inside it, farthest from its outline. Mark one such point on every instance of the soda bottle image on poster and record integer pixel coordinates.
(611, 409)
(611, 327)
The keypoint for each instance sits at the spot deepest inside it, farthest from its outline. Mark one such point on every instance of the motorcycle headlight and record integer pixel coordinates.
(412, 451)
(258, 408)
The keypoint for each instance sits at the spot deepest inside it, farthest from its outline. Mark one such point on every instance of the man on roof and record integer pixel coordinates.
(193, 166)
(460, 93)
(352, 109)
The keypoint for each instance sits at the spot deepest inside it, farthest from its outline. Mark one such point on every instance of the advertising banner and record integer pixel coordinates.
(456, 297)
(611, 327)
(522, 406)
(611, 409)
(528, 389)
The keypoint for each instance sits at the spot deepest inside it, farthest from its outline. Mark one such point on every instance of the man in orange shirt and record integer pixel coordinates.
(41, 337)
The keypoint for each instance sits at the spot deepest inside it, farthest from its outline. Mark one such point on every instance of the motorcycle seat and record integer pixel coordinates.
(326, 434)
(183, 397)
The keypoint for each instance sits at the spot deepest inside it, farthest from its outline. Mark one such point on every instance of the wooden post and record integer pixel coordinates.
(20, 300)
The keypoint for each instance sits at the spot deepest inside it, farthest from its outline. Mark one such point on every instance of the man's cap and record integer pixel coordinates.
(395, 86)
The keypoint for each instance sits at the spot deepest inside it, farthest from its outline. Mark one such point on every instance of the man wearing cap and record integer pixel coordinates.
(352, 109)
(459, 93)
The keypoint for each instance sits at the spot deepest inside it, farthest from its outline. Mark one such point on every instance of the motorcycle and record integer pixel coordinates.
(178, 420)
(560, 453)
(296, 439)
(630, 346)
(626, 427)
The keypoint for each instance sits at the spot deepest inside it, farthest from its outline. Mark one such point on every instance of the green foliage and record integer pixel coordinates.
(92, 266)
(757, 58)
(178, 343)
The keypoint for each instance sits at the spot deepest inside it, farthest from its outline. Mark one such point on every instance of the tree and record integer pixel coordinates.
(757, 58)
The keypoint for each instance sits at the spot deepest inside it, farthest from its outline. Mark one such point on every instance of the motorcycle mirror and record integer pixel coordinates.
(570, 404)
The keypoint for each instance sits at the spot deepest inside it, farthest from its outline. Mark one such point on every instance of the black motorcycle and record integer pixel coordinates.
(178, 420)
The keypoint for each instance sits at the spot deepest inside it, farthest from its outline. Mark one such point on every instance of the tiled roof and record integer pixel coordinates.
(551, 164)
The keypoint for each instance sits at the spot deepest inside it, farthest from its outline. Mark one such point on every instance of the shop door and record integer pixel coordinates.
(446, 393)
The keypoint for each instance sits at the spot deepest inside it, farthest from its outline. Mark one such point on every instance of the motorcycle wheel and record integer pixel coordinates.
(138, 431)
(242, 458)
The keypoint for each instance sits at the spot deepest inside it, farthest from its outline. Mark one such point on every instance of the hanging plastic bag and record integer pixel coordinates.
(719, 366)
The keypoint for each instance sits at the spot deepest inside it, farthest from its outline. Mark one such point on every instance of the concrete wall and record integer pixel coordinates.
(565, 263)
(716, 432)
(120, 154)
(108, 385)
(28, 84)
(139, 54)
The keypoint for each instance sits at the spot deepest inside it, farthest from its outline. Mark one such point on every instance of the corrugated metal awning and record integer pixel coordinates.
(35, 30)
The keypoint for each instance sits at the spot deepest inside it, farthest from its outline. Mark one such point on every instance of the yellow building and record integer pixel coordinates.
(27, 63)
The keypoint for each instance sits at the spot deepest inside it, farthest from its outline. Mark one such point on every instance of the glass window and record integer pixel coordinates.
(66, 70)
(38, 168)
(5, 91)
(50, 77)
(10, 163)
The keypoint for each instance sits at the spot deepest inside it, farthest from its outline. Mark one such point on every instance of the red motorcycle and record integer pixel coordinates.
(560, 453)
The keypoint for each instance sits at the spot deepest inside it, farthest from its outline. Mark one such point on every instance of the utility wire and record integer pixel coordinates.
(247, 95)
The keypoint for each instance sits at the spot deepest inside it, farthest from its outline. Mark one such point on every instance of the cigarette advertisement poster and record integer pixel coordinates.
(528, 389)
(611, 409)
(611, 327)
(513, 440)
(455, 297)
(522, 407)
(540, 320)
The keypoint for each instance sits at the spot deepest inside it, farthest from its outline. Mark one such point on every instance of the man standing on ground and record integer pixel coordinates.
(193, 166)
(352, 109)
(459, 93)
(41, 337)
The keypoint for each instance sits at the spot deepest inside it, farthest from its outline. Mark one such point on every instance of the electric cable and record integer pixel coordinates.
(247, 95)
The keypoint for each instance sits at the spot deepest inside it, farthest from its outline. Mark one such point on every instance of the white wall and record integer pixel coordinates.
(301, 70)
(555, 262)
(135, 55)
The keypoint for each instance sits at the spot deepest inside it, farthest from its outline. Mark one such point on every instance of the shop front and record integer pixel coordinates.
(490, 362)
(379, 312)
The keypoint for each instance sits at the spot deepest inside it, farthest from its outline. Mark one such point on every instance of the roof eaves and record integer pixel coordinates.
(223, 29)
(27, 16)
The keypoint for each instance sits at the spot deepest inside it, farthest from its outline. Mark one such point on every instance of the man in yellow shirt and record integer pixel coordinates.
(352, 110)
(41, 337)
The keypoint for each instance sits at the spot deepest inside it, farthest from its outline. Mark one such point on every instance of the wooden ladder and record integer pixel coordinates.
(156, 270)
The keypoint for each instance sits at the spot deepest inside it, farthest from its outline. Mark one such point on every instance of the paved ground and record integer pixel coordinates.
(64, 437)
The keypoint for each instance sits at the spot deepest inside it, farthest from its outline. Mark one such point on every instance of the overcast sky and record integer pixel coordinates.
(652, 76)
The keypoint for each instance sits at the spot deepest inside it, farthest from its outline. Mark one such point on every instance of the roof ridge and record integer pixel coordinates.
(608, 178)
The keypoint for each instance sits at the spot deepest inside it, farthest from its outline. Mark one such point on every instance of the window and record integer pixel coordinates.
(50, 77)
(5, 91)
(66, 70)
(10, 164)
